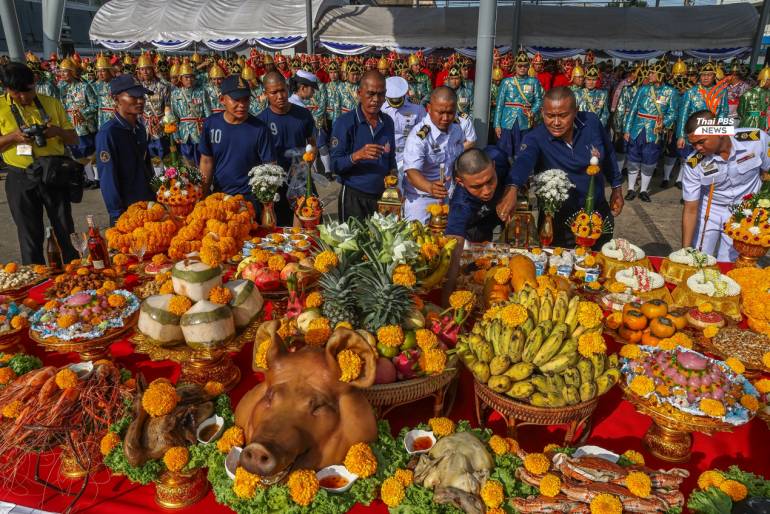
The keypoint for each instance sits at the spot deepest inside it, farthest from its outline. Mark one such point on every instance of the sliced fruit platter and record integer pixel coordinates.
(288, 241)
(84, 315)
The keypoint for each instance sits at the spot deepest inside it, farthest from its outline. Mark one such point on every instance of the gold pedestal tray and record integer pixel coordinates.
(669, 437)
(518, 414)
(748, 254)
(10, 342)
(386, 397)
(201, 366)
(176, 490)
(20, 293)
(87, 349)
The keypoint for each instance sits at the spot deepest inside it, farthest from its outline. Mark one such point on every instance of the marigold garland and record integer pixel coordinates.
(391, 336)
(179, 305)
(492, 493)
(498, 444)
(314, 300)
(591, 343)
(233, 436)
(426, 339)
(211, 256)
(245, 484)
(711, 407)
(634, 456)
(350, 364)
(66, 378)
(734, 489)
(433, 361)
(160, 398)
(108, 443)
(303, 486)
(176, 458)
(220, 295)
(7, 376)
(639, 484)
(361, 460)
(405, 476)
(318, 332)
(537, 463)
(462, 299)
(550, 485)
(513, 315)
(441, 427)
(604, 503)
(392, 492)
(325, 261)
(630, 351)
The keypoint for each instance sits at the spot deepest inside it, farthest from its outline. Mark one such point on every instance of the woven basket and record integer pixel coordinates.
(518, 413)
(386, 397)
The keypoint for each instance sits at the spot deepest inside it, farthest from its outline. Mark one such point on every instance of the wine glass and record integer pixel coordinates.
(139, 248)
(79, 241)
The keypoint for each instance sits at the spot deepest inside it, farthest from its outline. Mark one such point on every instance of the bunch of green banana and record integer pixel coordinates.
(538, 361)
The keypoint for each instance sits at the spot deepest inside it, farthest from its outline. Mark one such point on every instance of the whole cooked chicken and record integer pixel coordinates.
(456, 468)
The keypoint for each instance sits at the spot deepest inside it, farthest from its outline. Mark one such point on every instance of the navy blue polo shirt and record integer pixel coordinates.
(352, 132)
(236, 148)
(124, 165)
(469, 217)
(540, 151)
(289, 131)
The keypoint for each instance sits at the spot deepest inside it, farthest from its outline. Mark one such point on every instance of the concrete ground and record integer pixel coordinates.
(656, 226)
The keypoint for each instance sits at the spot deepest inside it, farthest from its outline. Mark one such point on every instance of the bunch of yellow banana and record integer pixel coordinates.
(538, 361)
(435, 269)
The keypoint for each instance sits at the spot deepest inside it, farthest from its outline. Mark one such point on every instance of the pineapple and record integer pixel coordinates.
(337, 287)
(379, 300)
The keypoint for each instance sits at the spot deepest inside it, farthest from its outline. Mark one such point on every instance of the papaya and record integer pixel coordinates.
(522, 272)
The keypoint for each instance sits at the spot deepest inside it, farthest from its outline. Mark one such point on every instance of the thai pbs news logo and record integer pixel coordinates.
(715, 127)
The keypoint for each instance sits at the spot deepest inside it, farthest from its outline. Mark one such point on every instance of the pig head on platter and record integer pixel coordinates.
(302, 415)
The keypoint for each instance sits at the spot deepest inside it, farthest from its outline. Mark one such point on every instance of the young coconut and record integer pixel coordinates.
(158, 323)
(247, 301)
(207, 325)
(195, 279)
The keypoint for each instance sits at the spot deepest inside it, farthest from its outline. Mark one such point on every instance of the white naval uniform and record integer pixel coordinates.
(466, 123)
(404, 119)
(427, 148)
(734, 178)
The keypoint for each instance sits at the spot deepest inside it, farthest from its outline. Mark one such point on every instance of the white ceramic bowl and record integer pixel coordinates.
(231, 461)
(412, 435)
(596, 451)
(340, 471)
(82, 369)
(213, 420)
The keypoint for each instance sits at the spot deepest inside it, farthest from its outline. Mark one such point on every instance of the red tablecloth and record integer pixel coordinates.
(616, 426)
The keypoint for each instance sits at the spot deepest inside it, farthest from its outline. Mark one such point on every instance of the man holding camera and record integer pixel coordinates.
(34, 127)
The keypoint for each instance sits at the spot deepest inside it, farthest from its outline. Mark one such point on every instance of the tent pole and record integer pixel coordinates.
(12, 30)
(516, 24)
(53, 16)
(310, 40)
(485, 42)
(759, 35)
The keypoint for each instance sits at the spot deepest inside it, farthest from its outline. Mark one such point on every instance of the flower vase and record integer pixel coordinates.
(546, 230)
(748, 254)
(268, 219)
(309, 224)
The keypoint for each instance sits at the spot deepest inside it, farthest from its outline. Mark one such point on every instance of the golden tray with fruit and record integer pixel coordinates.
(669, 437)
(88, 349)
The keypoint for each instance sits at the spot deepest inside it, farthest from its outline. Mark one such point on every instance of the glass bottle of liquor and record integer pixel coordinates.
(53, 250)
(97, 247)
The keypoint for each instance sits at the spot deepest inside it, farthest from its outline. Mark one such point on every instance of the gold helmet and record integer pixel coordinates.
(32, 57)
(242, 61)
(497, 74)
(196, 58)
(522, 57)
(215, 72)
(186, 69)
(531, 71)
(708, 67)
(764, 75)
(268, 59)
(578, 71)
(68, 64)
(248, 74)
(333, 67)
(592, 72)
(720, 73)
(174, 71)
(679, 68)
(454, 71)
(383, 64)
(127, 59)
(413, 59)
(102, 63)
(144, 61)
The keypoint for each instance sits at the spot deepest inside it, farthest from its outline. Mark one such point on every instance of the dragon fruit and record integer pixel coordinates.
(406, 364)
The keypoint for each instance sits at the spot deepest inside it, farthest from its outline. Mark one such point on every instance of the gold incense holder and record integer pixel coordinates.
(669, 437)
(177, 490)
(202, 366)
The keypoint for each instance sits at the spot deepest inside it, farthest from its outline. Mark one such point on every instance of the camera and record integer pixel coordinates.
(37, 132)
